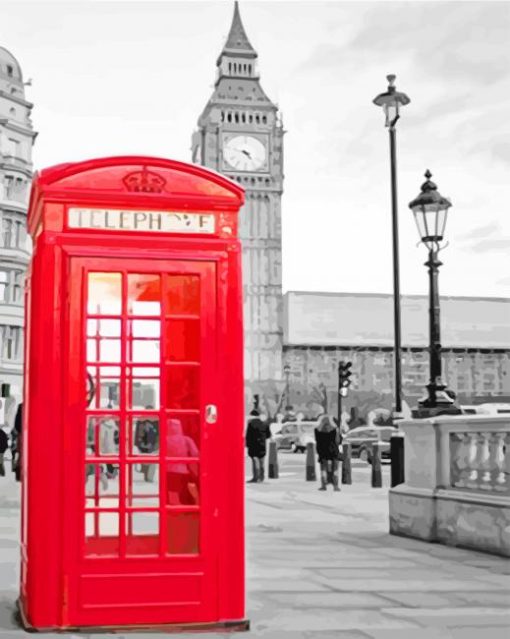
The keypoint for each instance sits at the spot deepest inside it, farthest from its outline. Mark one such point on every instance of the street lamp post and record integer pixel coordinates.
(430, 211)
(391, 101)
(286, 371)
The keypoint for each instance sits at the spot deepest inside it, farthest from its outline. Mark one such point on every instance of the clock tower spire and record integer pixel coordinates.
(240, 134)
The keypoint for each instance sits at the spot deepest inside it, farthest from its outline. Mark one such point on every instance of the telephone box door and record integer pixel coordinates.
(141, 426)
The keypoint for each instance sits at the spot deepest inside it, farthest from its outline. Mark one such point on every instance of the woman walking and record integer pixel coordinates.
(328, 439)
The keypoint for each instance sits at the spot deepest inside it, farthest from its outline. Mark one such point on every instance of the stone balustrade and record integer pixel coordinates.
(457, 482)
(480, 460)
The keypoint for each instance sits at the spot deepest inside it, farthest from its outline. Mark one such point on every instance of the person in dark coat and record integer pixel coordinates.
(257, 433)
(4, 445)
(328, 440)
(16, 443)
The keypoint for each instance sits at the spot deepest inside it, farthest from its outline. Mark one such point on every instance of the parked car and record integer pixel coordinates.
(362, 438)
(295, 436)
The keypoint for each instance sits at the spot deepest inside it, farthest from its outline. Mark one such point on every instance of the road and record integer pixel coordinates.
(321, 565)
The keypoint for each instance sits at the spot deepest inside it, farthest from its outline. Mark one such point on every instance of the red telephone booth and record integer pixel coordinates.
(133, 416)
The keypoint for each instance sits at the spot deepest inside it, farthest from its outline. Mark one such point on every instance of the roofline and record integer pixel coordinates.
(55, 173)
(390, 296)
(357, 346)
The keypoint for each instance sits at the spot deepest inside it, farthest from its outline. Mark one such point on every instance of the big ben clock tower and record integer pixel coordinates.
(240, 135)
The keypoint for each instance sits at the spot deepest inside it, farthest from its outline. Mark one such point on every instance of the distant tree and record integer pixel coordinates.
(320, 396)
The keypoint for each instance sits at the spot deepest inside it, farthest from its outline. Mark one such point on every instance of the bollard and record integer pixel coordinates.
(346, 464)
(376, 466)
(310, 462)
(397, 459)
(272, 470)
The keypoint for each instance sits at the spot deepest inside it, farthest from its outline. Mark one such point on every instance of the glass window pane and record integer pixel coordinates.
(109, 350)
(145, 351)
(142, 485)
(103, 436)
(183, 533)
(104, 293)
(183, 340)
(144, 393)
(103, 386)
(103, 350)
(144, 435)
(182, 484)
(144, 294)
(142, 533)
(182, 294)
(144, 328)
(103, 328)
(190, 425)
(182, 388)
(101, 534)
(182, 436)
(102, 485)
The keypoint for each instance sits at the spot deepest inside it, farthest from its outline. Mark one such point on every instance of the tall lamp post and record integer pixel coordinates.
(286, 371)
(391, 101)
(430, 211)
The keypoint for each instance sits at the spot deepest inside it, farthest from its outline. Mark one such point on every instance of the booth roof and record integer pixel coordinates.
(366, 319)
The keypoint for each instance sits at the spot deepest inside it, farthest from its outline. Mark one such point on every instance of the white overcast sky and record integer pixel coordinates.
(111, 78)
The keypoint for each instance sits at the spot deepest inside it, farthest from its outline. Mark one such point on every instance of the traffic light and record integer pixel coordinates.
(344, 373)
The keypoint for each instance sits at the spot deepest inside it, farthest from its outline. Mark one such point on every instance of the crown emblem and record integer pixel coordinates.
(144, 181)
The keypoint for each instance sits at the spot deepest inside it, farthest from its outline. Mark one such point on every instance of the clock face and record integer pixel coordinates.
(244, 153)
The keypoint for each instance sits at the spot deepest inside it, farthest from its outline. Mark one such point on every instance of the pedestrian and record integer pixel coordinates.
(328, 440)
(108, 446)
(257, 434)
(147, 442)
(16, 442)
(182, 481)
(4, 445)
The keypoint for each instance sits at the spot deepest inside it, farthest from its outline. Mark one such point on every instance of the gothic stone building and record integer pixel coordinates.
(240, 135)
(322, 328)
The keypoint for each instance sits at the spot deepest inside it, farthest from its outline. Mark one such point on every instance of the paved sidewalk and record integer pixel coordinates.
(322, 565)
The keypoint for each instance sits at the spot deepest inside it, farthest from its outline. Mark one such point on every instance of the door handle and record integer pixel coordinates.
(211, 414)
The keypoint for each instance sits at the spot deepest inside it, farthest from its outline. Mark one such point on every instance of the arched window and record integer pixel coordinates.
(223, 116)
(264, 119)
(230, 67)
(243, 117)
(236, 118)
(257, 119)
(250, 118)
(229, 117)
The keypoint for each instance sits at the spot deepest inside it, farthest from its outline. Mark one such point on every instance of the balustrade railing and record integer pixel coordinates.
(480, 460)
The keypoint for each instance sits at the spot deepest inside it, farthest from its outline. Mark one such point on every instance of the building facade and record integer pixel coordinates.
(322, 328)
(16, 141)
(240, 135)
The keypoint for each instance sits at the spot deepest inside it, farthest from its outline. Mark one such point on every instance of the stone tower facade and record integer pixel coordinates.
(16, 141)
(240, 134)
